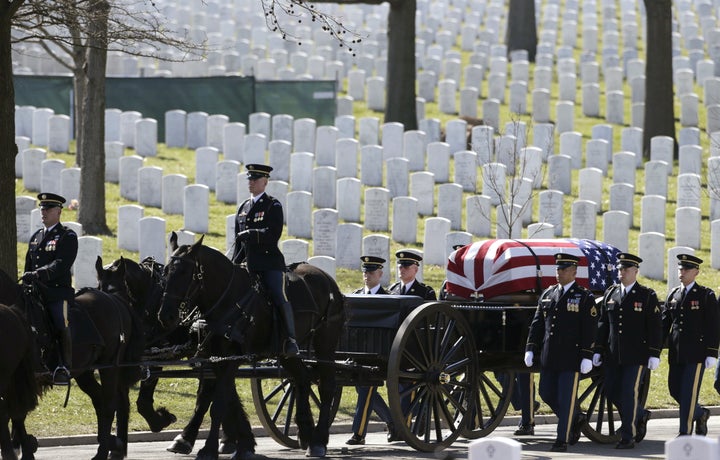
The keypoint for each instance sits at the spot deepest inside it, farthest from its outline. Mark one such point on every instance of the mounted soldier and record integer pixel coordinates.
(51, 253)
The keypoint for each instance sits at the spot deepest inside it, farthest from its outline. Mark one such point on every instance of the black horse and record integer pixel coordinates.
(107, 335)
(19, 390)
(142, 284)
(142, 287)
(226, 294)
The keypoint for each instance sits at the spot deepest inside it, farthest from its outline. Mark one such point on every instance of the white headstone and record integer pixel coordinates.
(196, 208)
(624, 168)
(295, 251)
(687, 226)
(301, 166)
(559, 176)
(422, 187)
(571, 145)
(583, 220)
(324, 232)
(478, 215)
(150, 186)
(226, 174)
(129, 166)
(691, 447)
(40, 119)
(688, 190)
(438, 161)
(175, 128)
(151, 237)
(494, 182)
(397, 176)
(299, 221)
(233, 141)
(348, 199)
(378, 246)
(377, 215)
(466, 170)
(84, 274)
(346, 157)
(616, 229)
(324, 187)
(24, 205)
(450, 203)
(59, 133)
(127, 127)
(146, 137)
(32, 160)
(368, 133)
(304, 130)
(495, 448)
(551, 209)
(434, 247)
(540, 231)
(50, 175)
(206, 159)
(173, 197)
(414, 146)
(128, 235)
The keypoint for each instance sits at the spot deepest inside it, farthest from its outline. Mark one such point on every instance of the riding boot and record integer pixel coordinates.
(61, 375)
(290, 346)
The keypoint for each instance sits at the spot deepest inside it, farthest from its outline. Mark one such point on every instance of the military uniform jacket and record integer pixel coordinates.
(563, 328)
(416, 288)
(52, 254)
(260, 251)
(691, 325)
(362, 291)
(630, 329)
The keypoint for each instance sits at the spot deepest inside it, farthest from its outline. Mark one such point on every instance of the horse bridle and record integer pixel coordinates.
(192, 292)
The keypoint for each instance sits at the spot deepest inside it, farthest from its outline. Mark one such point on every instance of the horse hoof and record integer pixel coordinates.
(180, 446)
(31, 444)
(206, 454)
(227, 447)
(316, 451)
(244, 454)
(116, 455)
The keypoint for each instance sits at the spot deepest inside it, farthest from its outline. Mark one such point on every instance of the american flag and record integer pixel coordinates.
(499, 267)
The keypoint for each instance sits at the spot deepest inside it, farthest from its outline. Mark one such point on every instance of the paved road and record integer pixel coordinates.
(535, 447)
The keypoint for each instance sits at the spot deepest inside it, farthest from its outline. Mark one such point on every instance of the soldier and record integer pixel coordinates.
(629, 337)
(562, 331)
(258, 226)
(408, 265)
(690, 322)
(51, 253)
(368, 398)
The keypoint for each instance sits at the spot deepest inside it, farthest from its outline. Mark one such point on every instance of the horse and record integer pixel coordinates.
(142, 284)
(227, 295)
(106, 335)
(19, 390)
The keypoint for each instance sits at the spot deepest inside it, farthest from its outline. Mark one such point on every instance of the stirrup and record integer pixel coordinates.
(61, 376)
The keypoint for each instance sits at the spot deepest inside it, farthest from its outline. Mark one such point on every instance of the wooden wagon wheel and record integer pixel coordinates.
(492, 398)
(275, 404)
(432, 376)
(603, 418)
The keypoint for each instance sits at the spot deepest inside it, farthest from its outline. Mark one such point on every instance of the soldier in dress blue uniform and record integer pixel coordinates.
(258, 226)
(629, 338)
(408, 265)
(368, 398)
(690, 323)
(51, 254)
(563, 331)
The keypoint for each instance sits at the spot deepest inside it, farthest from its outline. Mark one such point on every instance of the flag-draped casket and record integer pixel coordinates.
(499, 267)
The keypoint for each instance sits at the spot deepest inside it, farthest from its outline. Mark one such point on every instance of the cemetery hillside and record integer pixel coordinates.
(506, 147)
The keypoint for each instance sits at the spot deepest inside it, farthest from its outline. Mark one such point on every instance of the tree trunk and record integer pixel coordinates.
(92, 177)
(8, 148)
(79, 88)
(659, 102)
(400, 84)
(521, 32)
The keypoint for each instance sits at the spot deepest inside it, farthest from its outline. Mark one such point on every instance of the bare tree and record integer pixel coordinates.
(8, 148)
(510, 181)
(400, 95)
(81, 33)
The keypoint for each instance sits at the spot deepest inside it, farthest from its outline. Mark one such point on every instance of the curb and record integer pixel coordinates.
(337, 428)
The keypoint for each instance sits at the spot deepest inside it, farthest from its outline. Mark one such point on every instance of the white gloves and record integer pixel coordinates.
(585, 366)
(597, 360)
(529, 358)
(710, 362)
(653, 363)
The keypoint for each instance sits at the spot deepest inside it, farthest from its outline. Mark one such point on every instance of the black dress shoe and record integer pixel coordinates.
(559, 446)
(701, 422)
(625, 444)
(356, 440)
(641, 429)
(580, 420)
(525, 430)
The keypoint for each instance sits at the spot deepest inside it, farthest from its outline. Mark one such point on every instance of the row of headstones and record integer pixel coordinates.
(148, 237)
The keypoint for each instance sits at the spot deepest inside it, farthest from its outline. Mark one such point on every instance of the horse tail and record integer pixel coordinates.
(24, 390)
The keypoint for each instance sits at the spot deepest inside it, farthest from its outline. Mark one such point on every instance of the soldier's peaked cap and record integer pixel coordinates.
(50, 200)
(563, 260)
(407, 257)
(628, 260)
(689, 261)
(256, 171)
(371, 263)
